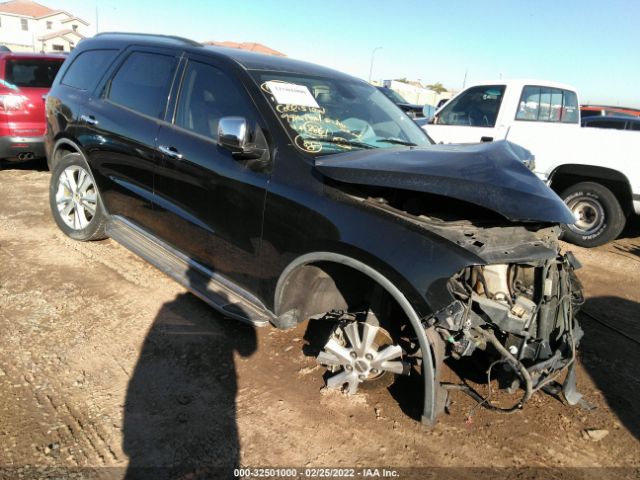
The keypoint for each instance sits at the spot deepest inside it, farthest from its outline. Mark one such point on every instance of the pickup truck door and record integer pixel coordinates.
(473, 116)
(209, 203)
(546, 122)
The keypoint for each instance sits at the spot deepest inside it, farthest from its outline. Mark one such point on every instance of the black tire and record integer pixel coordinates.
(86, 225)
(601, 216)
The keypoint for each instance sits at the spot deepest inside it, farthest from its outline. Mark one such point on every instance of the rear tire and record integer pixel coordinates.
(74, 199)
(599, 216)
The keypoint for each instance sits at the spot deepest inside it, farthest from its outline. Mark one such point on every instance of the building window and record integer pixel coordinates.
(57, 48)
(75, 28)
(24, 23)
(49, 25)
(0, 21)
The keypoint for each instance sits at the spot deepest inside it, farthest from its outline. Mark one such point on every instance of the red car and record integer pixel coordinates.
(25, 79)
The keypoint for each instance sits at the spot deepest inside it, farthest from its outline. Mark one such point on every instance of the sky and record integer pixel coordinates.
(593, 45)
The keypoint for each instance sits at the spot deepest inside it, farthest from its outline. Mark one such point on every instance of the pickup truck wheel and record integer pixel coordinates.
(361, 354)
(599, 217)
(75, 201)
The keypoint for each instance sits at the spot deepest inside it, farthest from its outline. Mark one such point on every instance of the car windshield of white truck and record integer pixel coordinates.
(476, 107)
(544, 104)
(329, 115)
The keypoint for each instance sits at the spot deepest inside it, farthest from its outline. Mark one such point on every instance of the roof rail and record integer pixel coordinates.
(186, 41)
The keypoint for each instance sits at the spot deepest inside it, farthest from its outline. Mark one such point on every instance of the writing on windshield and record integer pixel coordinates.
(325, 116)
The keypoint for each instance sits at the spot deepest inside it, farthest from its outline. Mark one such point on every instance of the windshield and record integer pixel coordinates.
(35, 73)
(328, 115)
(392, 95)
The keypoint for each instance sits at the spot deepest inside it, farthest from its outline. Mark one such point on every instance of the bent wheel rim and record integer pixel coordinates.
(361, 359)
(76, 197)
(588, 213)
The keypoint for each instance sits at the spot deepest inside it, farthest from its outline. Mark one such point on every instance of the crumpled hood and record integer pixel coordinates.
(490, 175)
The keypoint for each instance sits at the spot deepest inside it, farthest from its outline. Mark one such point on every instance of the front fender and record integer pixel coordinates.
(430, 343)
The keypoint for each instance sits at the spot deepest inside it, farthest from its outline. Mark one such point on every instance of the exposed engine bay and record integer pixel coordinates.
(523, 316)
(515, 308)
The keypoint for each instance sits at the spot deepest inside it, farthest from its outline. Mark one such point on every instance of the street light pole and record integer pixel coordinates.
(373, 52)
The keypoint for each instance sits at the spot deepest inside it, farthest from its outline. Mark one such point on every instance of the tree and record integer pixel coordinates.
(437, 87)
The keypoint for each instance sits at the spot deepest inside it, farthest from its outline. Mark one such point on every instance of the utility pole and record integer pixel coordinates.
(373, 52)
(464, 80)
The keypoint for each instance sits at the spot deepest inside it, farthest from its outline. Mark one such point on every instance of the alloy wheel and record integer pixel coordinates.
(76, 197)
(360, 352)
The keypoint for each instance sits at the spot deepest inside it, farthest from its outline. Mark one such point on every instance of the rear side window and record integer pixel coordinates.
(88, 68)
(142, 82)
(477, 107)
(34, 73)
(544, 104)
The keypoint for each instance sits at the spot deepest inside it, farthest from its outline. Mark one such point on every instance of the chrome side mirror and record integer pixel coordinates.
(233, 134)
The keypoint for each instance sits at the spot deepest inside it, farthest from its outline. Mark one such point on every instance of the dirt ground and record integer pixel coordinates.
(107, 365)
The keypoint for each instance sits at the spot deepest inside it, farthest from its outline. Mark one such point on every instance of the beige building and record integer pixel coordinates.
(27, 26)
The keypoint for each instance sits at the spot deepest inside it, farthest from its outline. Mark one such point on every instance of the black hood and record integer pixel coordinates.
(490, 175)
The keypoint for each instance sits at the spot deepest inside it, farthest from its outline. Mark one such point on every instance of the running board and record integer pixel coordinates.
(223, 295)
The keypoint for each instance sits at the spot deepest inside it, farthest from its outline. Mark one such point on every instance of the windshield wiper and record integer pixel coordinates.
(397, 141)
(341, 141)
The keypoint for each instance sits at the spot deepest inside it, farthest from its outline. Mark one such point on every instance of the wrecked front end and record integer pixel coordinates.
(514, 301)
(522, 315)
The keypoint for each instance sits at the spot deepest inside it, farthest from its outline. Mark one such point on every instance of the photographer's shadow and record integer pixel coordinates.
(180, 407)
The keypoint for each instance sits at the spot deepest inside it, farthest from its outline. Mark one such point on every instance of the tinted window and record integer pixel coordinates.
(36, 73)
(477, 107)
(88, 68)
(208, 94)
(604, 123)
(590, 113)
(542, 104)
(142, 82)
(392, 95)
(635, 126)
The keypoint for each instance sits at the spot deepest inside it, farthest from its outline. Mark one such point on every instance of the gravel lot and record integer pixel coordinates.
(106, 363)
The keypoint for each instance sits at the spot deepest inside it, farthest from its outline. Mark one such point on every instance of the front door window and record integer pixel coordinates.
(477, 107)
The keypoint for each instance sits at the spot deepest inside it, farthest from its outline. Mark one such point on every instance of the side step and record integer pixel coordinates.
(223, 295)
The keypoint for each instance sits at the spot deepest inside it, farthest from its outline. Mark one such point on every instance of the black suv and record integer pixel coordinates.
(282, 192)
(618, 122)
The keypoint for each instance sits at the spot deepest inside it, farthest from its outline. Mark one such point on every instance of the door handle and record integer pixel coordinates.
(170, 152)
(486, 139)
(89, 119)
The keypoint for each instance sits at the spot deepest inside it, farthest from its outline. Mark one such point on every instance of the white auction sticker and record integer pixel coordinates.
(292, 94)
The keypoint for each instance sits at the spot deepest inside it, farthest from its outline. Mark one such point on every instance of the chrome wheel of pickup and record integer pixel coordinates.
(589, 214)
(599, 217)
(76, 197)
(360, 352)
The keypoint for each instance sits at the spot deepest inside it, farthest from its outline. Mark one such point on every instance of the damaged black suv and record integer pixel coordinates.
(282, 192)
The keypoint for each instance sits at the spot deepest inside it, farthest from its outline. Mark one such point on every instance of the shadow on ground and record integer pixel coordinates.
(610, 353)
(632, 229)
(38, 165)
(180, 408)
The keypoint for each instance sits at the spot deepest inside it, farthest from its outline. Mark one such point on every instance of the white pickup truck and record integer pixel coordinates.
(595, 171)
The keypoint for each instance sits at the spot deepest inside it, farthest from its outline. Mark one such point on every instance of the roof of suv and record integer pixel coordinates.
(248, 60)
